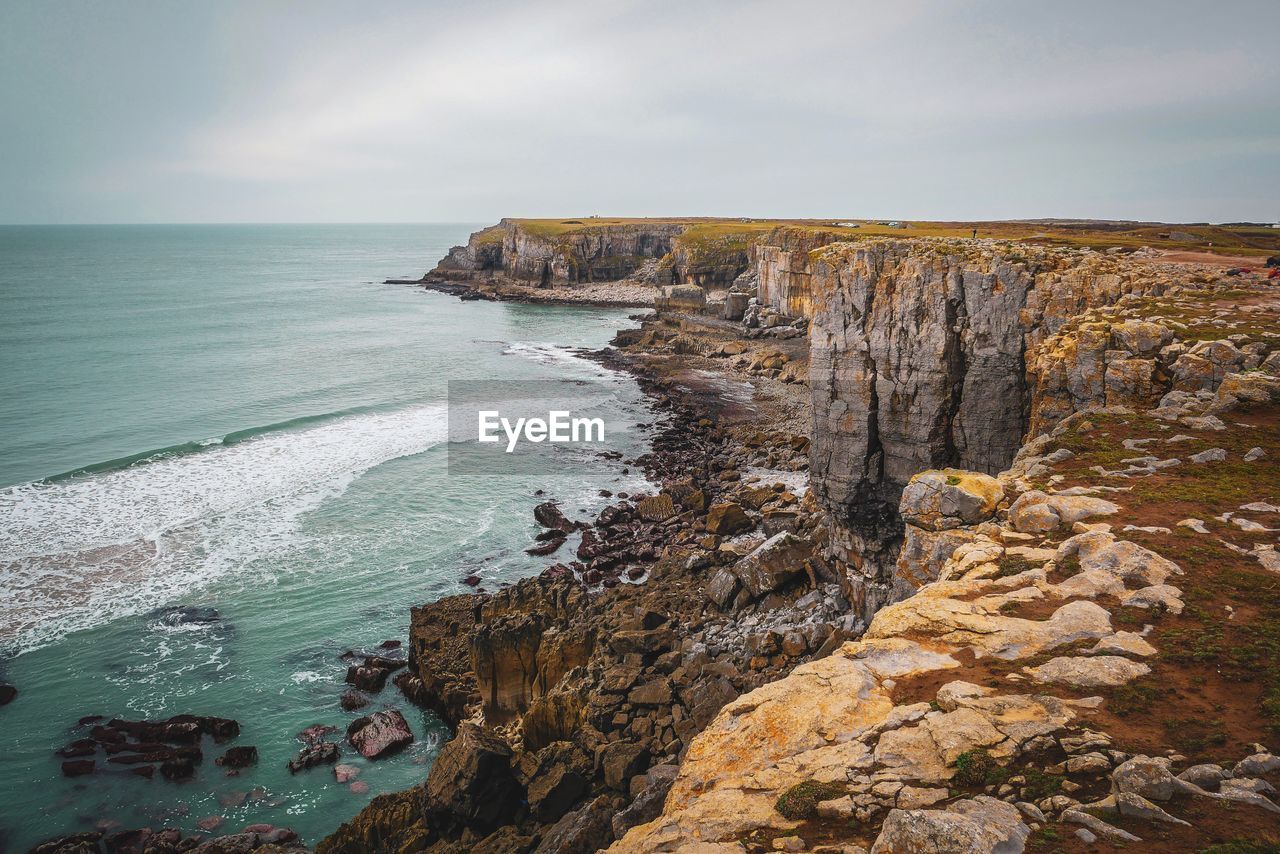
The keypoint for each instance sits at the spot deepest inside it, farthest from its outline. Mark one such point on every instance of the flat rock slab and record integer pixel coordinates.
(1099, 671)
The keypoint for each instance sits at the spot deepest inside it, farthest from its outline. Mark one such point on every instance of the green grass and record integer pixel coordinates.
(1233, 240)
(1193, 735)
(978, 768)
(1013, 565)
(801, 800)
(1047, 838)
(1137, 697)
(1040, 785)
(1242, 846)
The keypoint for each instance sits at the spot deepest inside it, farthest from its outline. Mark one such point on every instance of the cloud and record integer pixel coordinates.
(461, 110)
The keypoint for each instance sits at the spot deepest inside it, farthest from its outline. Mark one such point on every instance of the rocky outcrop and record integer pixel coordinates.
(559, 253)
(551, 253)
(928, 354)
(1001, 696)
(784, 269)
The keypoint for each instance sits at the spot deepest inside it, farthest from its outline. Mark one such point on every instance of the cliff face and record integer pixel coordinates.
(573, 251)
(1083, 626)
(784, 270)
(927, 354)
(587, 254)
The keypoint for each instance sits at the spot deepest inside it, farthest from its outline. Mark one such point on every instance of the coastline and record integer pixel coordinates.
(635, 691)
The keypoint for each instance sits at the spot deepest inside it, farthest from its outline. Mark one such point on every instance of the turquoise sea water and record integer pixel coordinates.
(242, 417)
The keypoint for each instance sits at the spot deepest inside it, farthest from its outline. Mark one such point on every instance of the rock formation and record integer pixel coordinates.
(943, 644)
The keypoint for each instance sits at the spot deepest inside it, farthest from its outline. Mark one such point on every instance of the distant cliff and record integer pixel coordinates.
(559, 252)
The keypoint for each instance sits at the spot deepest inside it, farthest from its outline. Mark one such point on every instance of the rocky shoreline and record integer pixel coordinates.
(719, 691)
(908, 578)
(591, 687)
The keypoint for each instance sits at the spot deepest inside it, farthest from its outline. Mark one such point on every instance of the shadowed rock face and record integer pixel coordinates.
(923, 356)
(916, 362)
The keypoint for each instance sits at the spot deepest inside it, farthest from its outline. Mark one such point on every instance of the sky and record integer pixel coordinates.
(224, 111)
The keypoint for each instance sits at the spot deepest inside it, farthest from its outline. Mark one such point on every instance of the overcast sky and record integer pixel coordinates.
(128, 111)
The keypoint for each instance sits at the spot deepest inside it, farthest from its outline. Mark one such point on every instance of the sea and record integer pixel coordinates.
(224, 462)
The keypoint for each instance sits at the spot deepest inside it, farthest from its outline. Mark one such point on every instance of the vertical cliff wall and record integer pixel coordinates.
(710, 254)
(784, 270)
(923, 355)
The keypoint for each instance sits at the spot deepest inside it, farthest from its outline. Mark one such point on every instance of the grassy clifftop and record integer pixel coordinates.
(1231, 239)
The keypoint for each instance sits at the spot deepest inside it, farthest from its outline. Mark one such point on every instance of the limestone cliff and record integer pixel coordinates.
(1069, 670)
(925, 354)
(564, 252)
(554, 255)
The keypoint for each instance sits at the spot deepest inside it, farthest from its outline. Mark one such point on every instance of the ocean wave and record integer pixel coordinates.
(80, 551)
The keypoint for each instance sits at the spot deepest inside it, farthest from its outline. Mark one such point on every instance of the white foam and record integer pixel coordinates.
(550, 353)
(80, 552)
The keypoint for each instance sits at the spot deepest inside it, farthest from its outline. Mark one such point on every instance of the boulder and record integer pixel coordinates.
(1037, 513)
(939, 500)
(589, 828)
(735, 305)
(367, 677)
(7, 693)
(379, 734)
(1248, 389)
(722, 588)
(647, 804)
(238, 757)
(622, 760)
(314, 754)
(727, 519)
(1097, 671)
(680, 298)
(656, 508)
(471, 782)
(1147, 776)
(773, 563)
(553, 791)
(982, 825)
(548, 515)
(352, 700)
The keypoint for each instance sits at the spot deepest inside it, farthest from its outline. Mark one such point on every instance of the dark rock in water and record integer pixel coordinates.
(587, 829)
(89, 719)
(188, 615)
(390, 644)
(238, 757)
(77, 767)
(179, 729)
(380, 734)
(178, 769)
(471, 783)
(472, 580)
(75, 843)
(312, 755)
(79, 747)
(367, 678)
(549, 516)
(315, 733)
(7, 693)
(147, 771)
(546, 548)
(352, 700)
